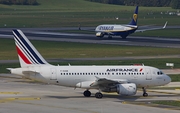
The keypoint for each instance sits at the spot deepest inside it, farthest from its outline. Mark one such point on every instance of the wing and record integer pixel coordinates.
(104, 82)
(85, 29)
(150, 29)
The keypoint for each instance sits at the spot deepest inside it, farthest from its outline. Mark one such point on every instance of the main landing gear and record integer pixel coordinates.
(145, 94)
(87, 93)
(109, 37)
(98, 95)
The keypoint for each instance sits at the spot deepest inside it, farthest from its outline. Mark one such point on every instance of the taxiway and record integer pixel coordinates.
(51, 34)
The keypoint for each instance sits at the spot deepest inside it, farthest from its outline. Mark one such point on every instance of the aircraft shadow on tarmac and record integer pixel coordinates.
(120, 98)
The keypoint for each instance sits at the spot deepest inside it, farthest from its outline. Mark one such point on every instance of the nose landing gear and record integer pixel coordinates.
(145, 94)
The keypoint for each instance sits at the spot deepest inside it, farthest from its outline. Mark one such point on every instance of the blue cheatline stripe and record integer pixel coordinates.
(23, 48)
(29, 48)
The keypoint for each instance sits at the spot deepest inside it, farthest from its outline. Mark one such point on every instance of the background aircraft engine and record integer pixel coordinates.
(126, 89)
(100, 34)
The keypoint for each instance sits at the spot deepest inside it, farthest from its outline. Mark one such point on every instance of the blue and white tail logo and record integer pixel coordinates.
(27, 53)
(135, 17)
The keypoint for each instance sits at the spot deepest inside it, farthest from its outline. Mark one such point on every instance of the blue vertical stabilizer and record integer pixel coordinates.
(135, 17)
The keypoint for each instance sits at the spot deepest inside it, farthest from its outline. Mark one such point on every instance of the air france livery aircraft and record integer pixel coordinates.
(121, 79)
(121, 30)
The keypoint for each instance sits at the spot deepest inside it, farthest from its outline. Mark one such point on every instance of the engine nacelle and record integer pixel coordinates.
(126, 89)
(86, 84)
(99, 34)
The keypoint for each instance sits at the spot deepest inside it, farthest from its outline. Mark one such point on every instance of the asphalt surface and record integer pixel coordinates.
(51, 34)
(24, 96)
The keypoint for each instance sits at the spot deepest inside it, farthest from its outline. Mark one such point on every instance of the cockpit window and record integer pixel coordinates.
(159, 73)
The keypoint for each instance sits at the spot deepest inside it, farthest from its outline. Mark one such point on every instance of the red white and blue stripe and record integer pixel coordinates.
(26, 50)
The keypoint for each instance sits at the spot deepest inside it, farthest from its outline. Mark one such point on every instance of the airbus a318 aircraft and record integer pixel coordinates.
(122, 30)
(121, 79)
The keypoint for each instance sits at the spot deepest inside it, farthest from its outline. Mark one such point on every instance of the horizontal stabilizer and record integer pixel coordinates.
(9, 69)
(30, 72)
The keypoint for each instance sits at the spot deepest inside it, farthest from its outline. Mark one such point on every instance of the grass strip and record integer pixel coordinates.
(52, 49)
(175, 78)
(168, 102)
(159, 63)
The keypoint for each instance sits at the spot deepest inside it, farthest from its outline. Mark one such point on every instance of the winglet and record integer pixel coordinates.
(165, 25)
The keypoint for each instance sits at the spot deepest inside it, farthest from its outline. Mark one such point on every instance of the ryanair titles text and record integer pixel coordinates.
(123, 70)
(106, 27)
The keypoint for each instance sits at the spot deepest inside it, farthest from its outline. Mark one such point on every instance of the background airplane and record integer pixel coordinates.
(121, 30)
(121, 79)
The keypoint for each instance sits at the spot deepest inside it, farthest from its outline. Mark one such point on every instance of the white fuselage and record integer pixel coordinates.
(142, 76)
(114, 28)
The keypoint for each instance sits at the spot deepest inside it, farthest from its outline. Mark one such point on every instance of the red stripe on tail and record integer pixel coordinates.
(23, 56)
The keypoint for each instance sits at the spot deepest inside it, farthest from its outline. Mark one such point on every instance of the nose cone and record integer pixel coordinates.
(167, 79)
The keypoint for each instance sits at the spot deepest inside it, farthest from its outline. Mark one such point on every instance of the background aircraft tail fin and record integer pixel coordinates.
(27, 53)
(135, 17)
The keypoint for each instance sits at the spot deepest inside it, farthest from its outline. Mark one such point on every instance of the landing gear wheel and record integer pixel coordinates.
(87, 93)
(144, 92)
(98, 95)
(123, 37)
(109, 37)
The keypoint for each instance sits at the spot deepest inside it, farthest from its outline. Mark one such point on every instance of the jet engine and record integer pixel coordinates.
(126, 89)
(99, 34)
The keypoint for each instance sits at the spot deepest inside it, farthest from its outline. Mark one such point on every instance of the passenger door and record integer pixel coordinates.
(53, 74)
(148, 74)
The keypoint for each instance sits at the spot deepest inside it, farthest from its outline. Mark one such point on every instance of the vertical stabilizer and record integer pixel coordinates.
(135, 17)
(27, 53)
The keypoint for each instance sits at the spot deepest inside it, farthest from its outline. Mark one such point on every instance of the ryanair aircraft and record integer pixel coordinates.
(121, 30)
(121, 79)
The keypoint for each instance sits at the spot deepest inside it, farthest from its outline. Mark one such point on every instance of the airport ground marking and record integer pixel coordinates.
(163, 92)
(152, 105)
(177, 89)
(19, 98)
(10, 93)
